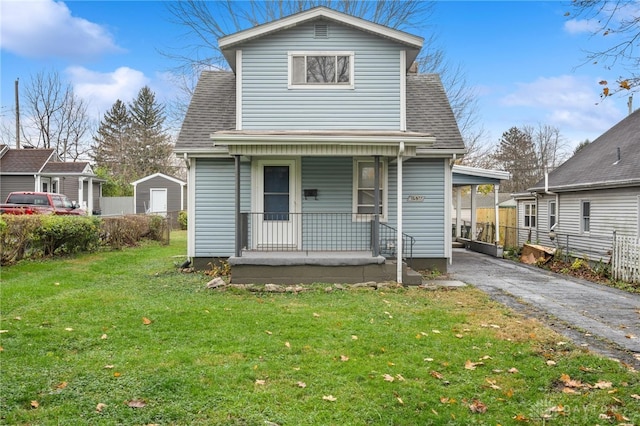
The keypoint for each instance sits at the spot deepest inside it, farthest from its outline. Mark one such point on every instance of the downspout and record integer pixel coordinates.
(546, 191)
(399, 245)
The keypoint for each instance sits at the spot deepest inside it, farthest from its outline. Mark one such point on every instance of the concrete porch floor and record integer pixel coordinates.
(319, 258)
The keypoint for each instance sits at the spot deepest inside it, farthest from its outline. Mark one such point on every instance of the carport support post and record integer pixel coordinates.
(238, 222)
(472, 232)
(458, 212)
(496, 210)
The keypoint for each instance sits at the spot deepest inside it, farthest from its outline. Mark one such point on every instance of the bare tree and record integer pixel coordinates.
(550, 147)
(58, 117)
(619, 21)
(205, 22)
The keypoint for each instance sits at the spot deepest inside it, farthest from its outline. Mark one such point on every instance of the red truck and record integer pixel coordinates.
(40, 203)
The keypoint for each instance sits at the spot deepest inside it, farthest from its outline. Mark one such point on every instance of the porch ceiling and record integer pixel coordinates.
(320, 150)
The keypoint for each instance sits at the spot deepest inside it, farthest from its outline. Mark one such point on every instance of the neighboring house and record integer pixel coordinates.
(160, 194)
(41, 170)
(591, 195)
(320, 148)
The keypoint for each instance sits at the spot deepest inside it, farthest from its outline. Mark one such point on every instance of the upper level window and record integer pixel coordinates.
(321, 69)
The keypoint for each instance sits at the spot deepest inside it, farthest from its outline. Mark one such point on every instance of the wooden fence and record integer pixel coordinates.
(625, 259)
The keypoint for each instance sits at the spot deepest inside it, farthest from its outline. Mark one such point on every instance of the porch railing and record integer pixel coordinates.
(389, 243)
(317, 232)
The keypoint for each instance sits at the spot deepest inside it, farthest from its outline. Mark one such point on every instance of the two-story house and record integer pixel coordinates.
(321, 156)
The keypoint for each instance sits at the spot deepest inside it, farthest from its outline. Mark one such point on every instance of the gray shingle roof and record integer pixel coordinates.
(596, 165)
(213, 108)
(65, 167)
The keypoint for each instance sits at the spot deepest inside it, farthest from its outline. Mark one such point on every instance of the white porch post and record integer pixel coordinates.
(472, 233)
(399, 245)
(90, 197)
(458, 212)
(496, 210)
(80, 189)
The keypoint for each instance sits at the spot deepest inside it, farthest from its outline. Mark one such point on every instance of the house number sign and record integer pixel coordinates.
(415, 198)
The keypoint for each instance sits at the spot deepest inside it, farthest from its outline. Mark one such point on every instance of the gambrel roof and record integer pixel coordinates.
(612, 160)
(213, 109)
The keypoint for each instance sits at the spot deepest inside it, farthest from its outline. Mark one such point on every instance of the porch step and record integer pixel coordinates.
(411, 277)
(457, 244)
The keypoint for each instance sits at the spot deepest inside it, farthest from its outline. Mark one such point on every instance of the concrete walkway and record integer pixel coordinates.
(604, 319)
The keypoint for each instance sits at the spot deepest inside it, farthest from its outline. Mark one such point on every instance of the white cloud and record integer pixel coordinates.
(580, 26)
(101, 90)
(571, 103)
(46, 29)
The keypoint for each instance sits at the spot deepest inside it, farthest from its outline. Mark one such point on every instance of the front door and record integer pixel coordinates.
(277, 219)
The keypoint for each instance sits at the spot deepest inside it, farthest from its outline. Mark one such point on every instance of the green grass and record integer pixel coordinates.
(75, 338)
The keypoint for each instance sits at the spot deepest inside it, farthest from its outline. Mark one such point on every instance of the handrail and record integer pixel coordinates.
(388, 242)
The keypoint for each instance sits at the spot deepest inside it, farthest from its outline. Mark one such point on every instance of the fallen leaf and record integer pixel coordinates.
(330, 398)
(116, 374)
(492, 384)
(136, 403)
(69, 329)
(477, 407)
(100, 407)
(520, 418)
(287, 344)
(388, 378)
(316, 315)
(551, 363)
(602, 385)
(428, 359)
(268, 332)
(104, 336)
(146, 321)
(447, 400)
(469, 365)
(635, 396)
(18, 318)
(4, 331)
(62, 385)
(108, 366)
(260, 382)
(630, 336)
(301, 384)
(435, 331)
(354, 337)
(1, 349)
(436, 375)
(459, 336)
(35, 404)
(513, 370)
(400, 400)
(390, 364)
(344, 358)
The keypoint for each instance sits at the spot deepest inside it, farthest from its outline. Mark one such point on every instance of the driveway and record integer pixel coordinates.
(601, 318)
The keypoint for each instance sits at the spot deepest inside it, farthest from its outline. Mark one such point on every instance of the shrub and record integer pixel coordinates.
(16, 234)
(118, 232)
(182, 219)
(66, 234)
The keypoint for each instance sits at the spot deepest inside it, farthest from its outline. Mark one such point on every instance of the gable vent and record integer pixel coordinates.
(321, 31)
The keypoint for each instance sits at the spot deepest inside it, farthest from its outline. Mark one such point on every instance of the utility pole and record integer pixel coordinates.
(17, 116)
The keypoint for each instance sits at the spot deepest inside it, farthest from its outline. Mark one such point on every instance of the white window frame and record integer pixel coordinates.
(552, 213)
(321, 86)
(532, 214)
(585, 229)
(384, 189)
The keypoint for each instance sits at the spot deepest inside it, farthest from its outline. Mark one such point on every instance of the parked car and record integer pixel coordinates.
(40, 203)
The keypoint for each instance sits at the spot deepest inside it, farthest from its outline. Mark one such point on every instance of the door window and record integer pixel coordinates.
(276, 192)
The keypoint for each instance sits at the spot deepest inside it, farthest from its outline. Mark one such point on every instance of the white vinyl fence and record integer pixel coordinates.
(116, 206)
(625, 259)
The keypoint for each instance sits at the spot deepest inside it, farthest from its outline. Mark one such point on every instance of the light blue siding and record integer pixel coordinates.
(215, 205)
(268, 103)
(422, 220)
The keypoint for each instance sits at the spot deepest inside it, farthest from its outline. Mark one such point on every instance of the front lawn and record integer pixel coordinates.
(124, 338)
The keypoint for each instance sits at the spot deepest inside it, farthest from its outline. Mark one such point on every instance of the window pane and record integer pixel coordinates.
(343, 69)
(321, 69)
(365, 197)
(298, 70)
(586, 208)
(527, 209)
(366, 178)
(276, 179)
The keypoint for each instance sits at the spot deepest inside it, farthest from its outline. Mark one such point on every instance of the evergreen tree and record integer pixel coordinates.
(516, 154)
(151, 147)
(112, 141)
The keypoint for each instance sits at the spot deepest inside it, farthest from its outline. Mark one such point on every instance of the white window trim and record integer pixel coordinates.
(525, 215)
(555, 213)
(582, 230)
(349, 86)
(384, 186)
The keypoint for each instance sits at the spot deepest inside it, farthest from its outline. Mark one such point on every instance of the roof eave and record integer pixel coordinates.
(588, 186)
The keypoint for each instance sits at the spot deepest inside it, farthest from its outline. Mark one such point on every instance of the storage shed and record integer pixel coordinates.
(160, 194)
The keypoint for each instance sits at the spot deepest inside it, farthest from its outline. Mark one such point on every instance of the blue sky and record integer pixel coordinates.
(521, 57)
